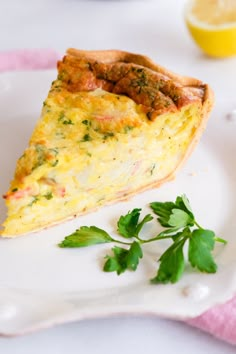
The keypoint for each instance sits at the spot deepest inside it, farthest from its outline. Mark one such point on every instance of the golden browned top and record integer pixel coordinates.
(153, 87)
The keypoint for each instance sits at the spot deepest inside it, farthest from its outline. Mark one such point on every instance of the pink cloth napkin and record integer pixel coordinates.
(28, 59)
(219, 321)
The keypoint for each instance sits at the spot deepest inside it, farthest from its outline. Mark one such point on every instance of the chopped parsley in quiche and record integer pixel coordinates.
(112, 125)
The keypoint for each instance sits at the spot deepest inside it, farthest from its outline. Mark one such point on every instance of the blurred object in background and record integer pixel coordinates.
(212, 24)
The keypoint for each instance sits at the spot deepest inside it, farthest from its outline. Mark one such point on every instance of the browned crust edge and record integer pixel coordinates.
(112, 56)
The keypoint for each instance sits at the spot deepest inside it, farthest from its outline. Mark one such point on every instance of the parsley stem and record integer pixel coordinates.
(157, 238)
(123, 243)
(218, 239)
(138, 238)
(199, 226)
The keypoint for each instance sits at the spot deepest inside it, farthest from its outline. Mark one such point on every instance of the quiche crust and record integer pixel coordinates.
(107, 109)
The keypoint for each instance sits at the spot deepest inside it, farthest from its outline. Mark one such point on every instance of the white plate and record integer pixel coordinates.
(41, 284)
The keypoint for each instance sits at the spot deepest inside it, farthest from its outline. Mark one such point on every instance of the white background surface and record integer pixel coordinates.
(155, 28)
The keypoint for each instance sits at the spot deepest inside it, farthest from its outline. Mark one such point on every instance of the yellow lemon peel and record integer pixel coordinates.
(212, 24)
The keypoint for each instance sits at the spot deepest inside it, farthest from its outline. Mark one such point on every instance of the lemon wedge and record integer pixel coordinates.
(212, 24)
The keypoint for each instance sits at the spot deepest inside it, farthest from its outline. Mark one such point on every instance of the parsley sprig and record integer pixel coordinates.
(179, 226)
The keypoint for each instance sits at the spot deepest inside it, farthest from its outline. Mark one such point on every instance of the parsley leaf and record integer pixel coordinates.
(179, 218)
(135, 252)
(177, 215)
(163, 210)
(128, 225)
(117, 263)
(123, 259)
(201, 244)
(146, 219)
(183, 203)
(172, 264)
(86, 236)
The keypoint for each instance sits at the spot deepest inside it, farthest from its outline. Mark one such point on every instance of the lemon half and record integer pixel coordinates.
(212, 24)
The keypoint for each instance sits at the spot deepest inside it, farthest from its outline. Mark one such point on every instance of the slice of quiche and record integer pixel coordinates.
(113, 124)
